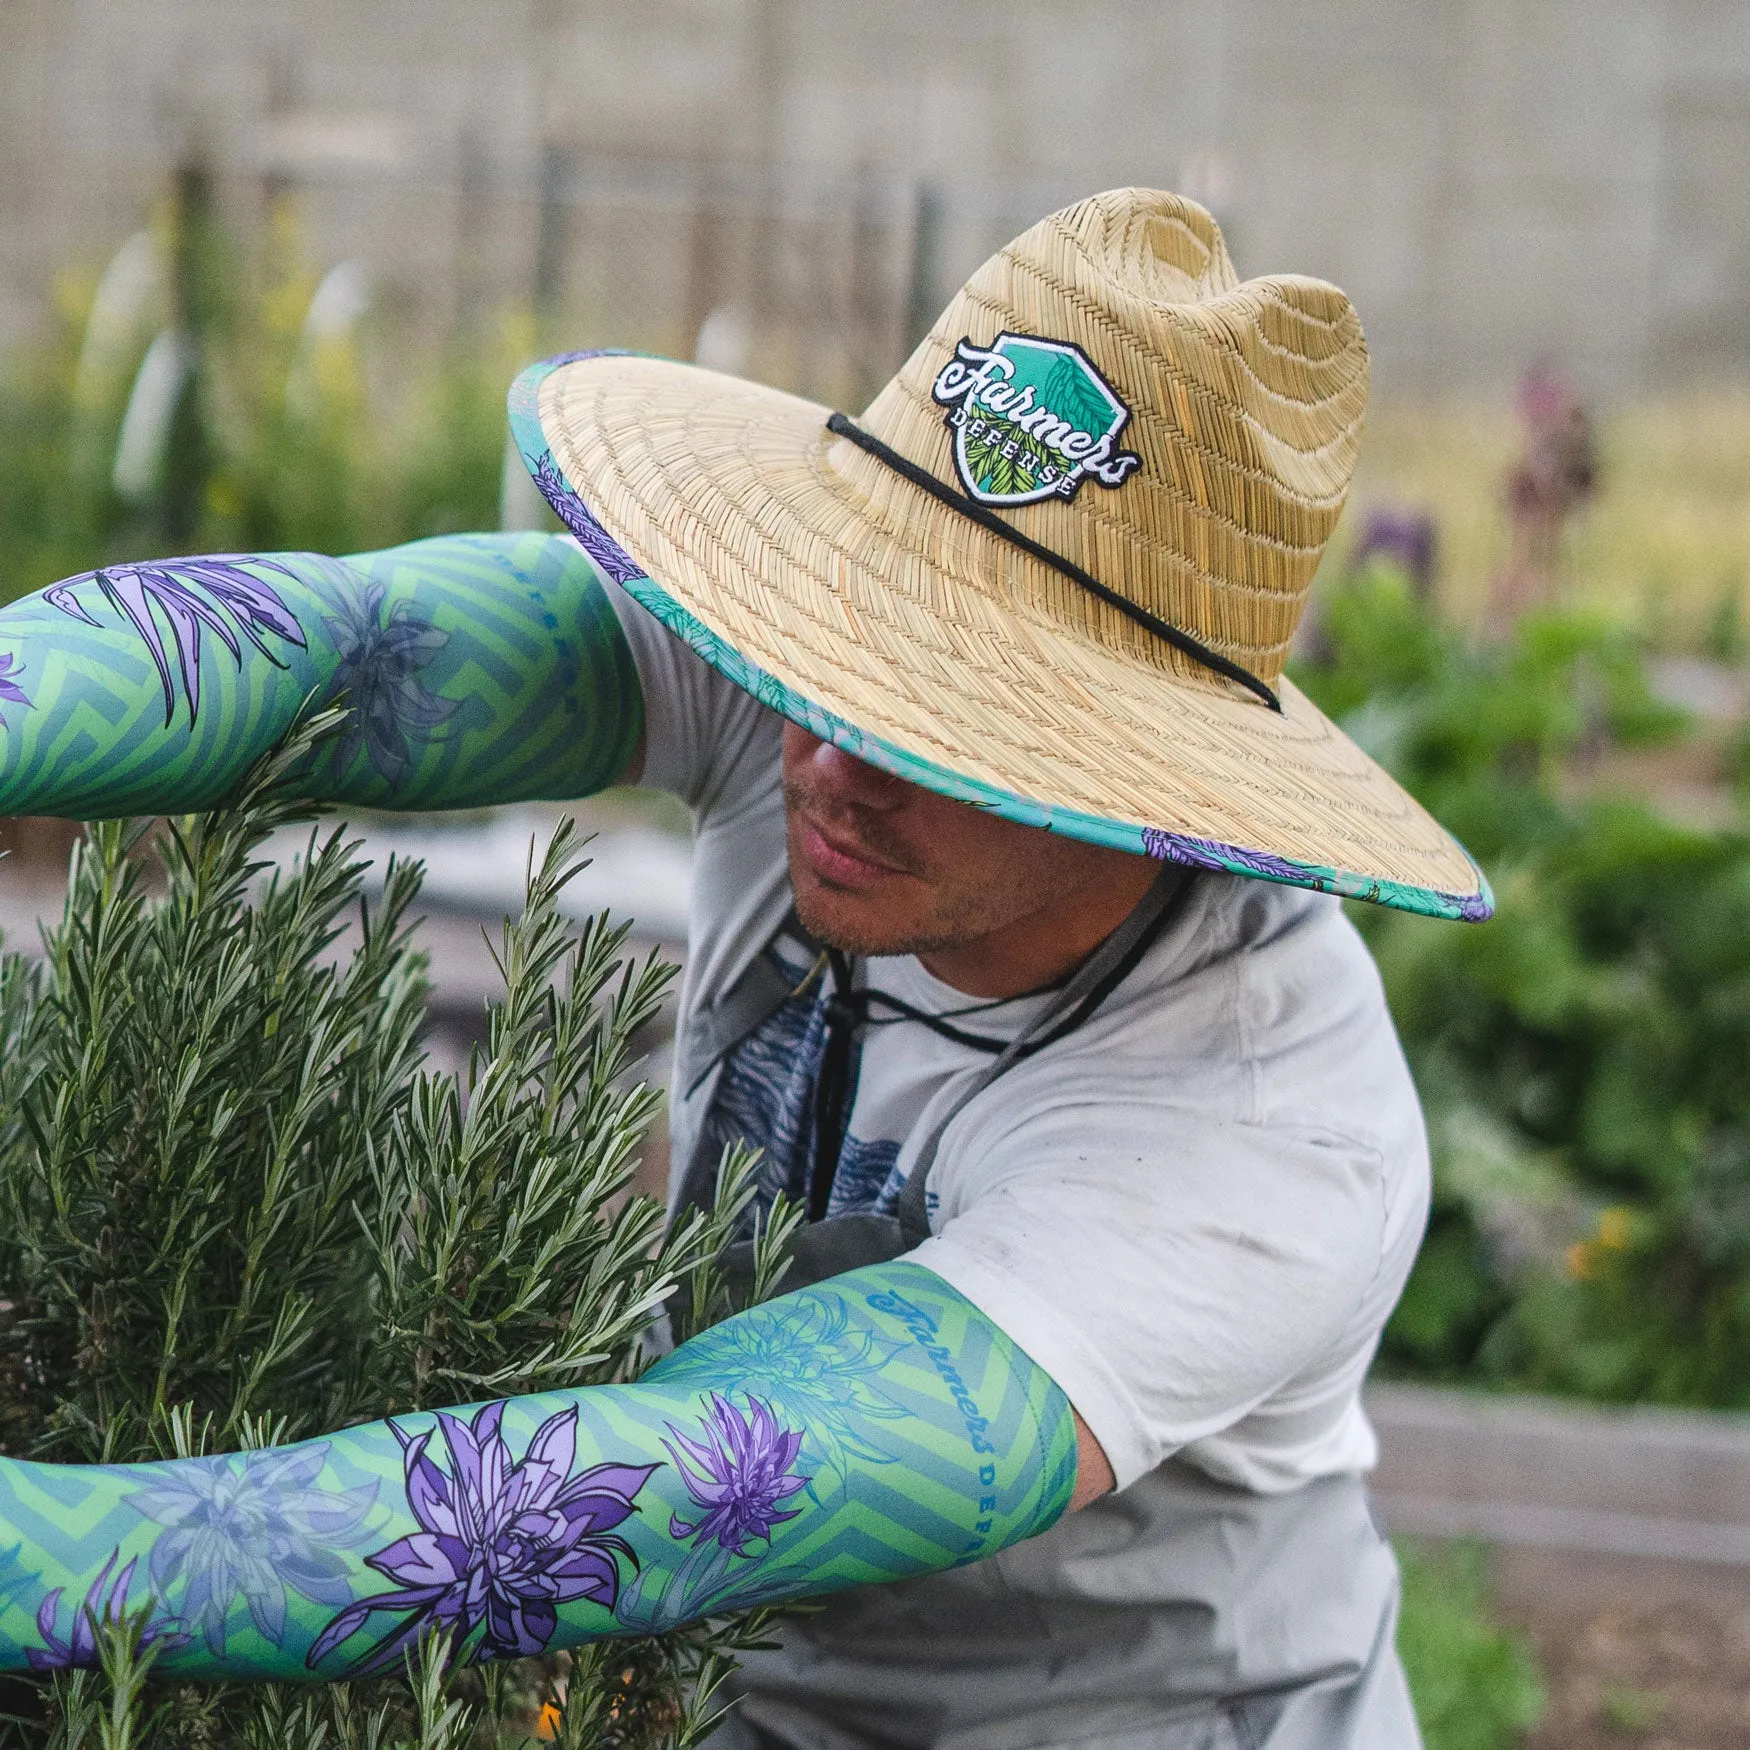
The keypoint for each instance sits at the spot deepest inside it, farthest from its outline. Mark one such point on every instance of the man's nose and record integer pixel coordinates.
(843, 777)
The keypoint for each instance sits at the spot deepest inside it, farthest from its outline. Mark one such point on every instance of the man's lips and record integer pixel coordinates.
(844, 865)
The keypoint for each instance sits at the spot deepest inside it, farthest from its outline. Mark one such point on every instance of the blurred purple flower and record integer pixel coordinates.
(1402, 537)
(252, 1525)
(501, 1545)
(739, 1473)
(11, 693)
(214, 591)
(106, 1603)
(378, 672)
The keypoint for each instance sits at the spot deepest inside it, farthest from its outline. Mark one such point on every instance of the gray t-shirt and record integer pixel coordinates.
(1195, 1212)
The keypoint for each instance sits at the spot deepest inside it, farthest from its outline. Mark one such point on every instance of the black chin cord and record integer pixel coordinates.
(832, 1090)
(1181, 641)
(847, 1009)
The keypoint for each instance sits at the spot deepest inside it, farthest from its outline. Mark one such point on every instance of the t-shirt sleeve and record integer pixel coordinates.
(703, 735)
(1170, 1272)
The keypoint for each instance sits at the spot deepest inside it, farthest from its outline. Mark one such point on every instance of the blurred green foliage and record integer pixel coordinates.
(1475, 1683)
(295, 1227)
(286, 433)
(1582, 1057)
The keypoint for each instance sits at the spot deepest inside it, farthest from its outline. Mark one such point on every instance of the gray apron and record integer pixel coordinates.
(1179, 1613)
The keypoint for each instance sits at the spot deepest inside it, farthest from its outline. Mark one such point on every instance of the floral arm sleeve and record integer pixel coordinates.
(869, 1428)
(479, 668)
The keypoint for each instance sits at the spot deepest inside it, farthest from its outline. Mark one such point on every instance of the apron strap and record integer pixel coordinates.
(761, 990)
(764, 988)
(754, 998)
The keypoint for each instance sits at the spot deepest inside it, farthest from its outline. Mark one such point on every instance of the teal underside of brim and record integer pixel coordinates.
(1148, 841)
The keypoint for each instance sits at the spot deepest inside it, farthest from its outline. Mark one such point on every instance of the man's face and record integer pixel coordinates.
(880, 866)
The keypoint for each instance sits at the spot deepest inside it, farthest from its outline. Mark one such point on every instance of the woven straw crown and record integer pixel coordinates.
(1246, 404)
(1104, 394)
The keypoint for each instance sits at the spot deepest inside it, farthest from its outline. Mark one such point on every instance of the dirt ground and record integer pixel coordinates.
(1671, 1677)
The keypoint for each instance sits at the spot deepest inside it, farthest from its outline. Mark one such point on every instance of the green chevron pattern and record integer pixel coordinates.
(482, 669)
(870, 1428)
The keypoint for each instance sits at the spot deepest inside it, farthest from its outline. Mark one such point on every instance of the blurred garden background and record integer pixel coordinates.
(265, 274)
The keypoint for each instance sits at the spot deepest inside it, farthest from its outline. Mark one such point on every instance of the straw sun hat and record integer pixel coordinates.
(1053, 569)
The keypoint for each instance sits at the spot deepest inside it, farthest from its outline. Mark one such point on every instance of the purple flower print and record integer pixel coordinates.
(14, 1575)
(580, 520)
(738, 1474)
(378, 671)
(810, 1367)
(11, 693)
(1172, 847)
(106, 1603)
(1204, 854)
(254, 1526)
(500, 1544)
(215, 591)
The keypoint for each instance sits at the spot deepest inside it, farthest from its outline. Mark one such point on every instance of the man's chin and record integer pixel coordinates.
(861, 924)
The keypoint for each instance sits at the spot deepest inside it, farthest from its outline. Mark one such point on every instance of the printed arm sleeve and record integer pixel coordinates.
(869, 1428)
(479, 669)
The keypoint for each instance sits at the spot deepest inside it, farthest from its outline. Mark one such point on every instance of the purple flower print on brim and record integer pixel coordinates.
(106, 1603)
(581, 521)
(1172, 847)
(1228, 859)
(215, 591)
(253, 1525)
(11, 693)
(738, 1475)
(501, 1544)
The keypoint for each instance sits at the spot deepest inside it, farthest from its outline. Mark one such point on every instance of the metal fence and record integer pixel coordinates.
(1493, 183)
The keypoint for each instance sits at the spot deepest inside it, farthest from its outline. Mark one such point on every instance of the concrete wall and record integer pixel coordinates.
(1494, 181)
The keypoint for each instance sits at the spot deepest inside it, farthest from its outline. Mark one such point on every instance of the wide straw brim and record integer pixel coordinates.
(852, 602)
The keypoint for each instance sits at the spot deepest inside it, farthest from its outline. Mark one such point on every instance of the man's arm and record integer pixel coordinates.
(1094, 1476)
(873, 1427)
(480, 669)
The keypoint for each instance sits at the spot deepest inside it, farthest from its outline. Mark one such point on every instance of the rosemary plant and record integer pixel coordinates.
(235, 1210)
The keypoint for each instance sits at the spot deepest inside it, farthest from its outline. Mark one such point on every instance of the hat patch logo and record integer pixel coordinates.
(1032, 419)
